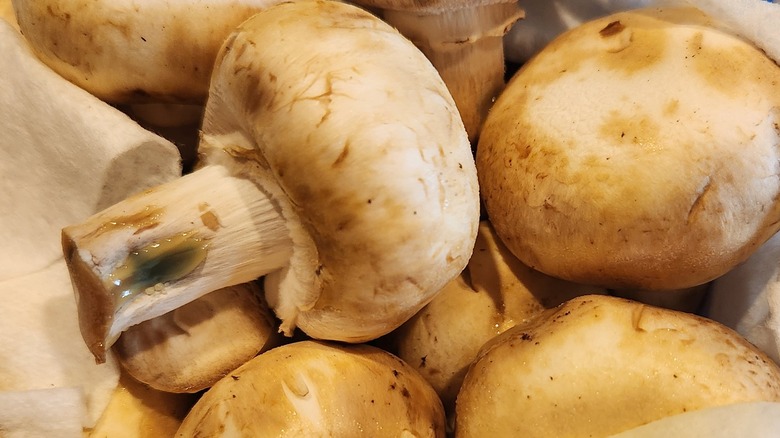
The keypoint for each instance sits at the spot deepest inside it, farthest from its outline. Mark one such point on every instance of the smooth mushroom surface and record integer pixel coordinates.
(193, 346)
(749, 419)
(338, 167)
(599, 365)
(125, 51)
(311, 388)
(464, 41)
(637, 151)
(494, 292)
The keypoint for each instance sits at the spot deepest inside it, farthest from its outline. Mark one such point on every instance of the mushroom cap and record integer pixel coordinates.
(123, 51)
(192, 347)
(599, 365)
(636, 151)
(357, 139)
(310, 388)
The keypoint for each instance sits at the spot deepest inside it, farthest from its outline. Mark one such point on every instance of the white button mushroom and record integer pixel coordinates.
(319, 389)
(133, 51)
(600, 365)
(337, 165)
(637, 151)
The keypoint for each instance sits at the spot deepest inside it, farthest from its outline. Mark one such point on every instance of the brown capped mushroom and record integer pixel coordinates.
(313, 388)
(355, 225)
(123, 51)
(637, 151)
(600, 365)
(190, 348)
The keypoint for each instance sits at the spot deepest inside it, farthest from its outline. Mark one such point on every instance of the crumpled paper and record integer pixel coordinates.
(747, 299)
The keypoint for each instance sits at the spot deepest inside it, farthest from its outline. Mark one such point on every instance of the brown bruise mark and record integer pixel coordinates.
(639, 129)
(699, 203)
(143, 220)
(638, 50)
(343, 155)
(207, 216)
(612, 28)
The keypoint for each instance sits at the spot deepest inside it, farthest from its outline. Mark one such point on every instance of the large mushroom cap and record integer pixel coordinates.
(368, 159)
(636, 151)
(337, 166)
(310, 388)
(599, 365)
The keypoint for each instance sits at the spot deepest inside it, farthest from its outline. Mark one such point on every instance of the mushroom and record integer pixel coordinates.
(355, 226)
(628, 154)
(599, 365)
(494, 293)
(464, 40)
(190, 348)
(310, 388)
(124, 51)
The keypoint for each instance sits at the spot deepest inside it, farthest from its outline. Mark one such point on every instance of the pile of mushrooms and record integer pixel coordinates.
(378, 235)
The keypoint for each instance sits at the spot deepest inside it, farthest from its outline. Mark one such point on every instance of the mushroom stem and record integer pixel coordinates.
(466, 47)
(168, 246)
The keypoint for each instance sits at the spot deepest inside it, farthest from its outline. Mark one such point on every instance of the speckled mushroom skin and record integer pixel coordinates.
(319, 389)
(636, 151)
(128, 51)
(598, 365)
(356, 136)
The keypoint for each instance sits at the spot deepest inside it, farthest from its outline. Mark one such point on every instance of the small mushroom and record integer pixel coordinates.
(310, 388)
(637, 151)
(464, 41)
(599, 365)
(190, 348)
(337, 167)
(125, 51)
